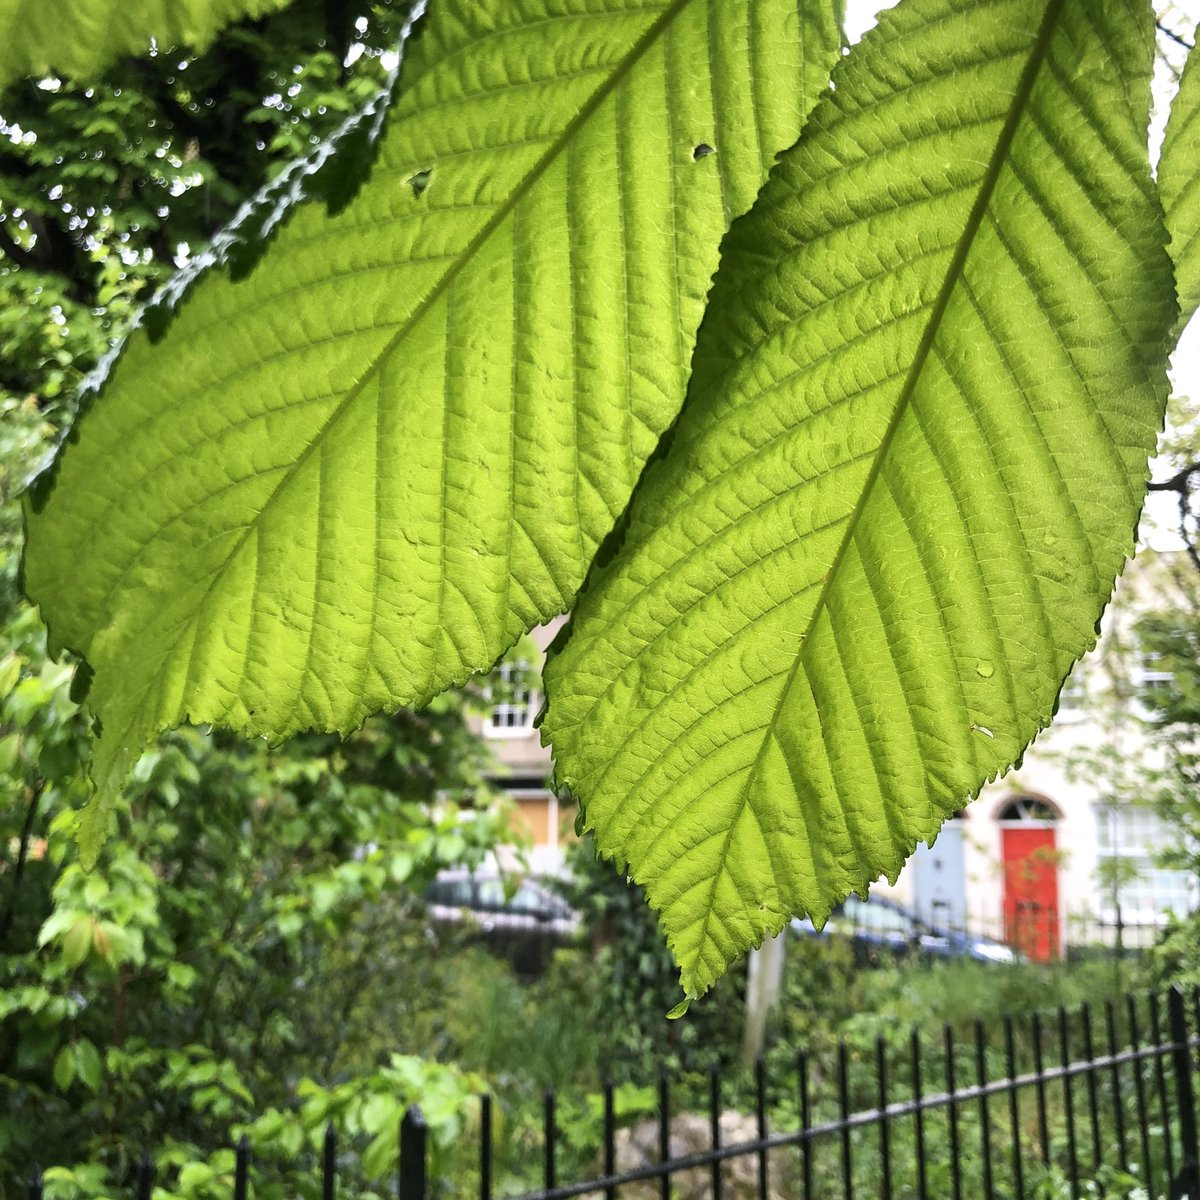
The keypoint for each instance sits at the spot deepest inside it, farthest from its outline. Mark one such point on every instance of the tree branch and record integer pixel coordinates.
(1166, 31)
(10, 907)
(1179, 482)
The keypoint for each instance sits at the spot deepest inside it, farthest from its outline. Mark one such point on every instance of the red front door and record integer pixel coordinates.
(1031, 890)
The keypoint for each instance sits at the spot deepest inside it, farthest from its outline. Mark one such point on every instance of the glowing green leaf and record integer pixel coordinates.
(79, 38)
(355, 476)
(1179, 186)
(907, 473)
(63, 1071)
(77, 942)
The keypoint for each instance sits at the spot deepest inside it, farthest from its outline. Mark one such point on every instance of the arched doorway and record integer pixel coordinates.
(1029, 857)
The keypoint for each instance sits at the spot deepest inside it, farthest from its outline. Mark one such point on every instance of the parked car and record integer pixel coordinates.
(884, 931)
(521, 919)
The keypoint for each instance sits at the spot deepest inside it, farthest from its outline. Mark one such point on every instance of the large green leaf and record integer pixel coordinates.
(1179, 187)
(908, 470)
(79, 38)
(354, 477)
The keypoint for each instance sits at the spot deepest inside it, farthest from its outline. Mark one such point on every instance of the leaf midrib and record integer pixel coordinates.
(987, 187)
(467, 254)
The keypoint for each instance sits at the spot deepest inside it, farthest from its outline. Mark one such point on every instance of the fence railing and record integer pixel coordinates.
(1028, 934)
(1040, 1106)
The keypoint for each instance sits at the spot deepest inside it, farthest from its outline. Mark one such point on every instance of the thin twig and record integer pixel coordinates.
(1175, 37)
(1179, 482)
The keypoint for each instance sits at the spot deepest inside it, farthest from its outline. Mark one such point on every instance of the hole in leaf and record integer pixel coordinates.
(702, 151)
(419, 182)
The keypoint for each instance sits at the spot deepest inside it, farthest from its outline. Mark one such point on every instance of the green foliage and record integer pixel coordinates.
(1169, 641)
(418, 575)
(229, 960)
(80, 37)
(106, 185)
(870, 544)
(215, 962)
(228, 964)
(633, 981)
(1179, 191)
(959, 992)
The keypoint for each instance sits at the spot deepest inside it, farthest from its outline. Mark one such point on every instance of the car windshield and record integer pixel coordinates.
(528, 898)
(455, 892)
(877, 918)
(490, 893)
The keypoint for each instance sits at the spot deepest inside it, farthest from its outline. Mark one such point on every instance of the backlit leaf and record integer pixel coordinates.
(77, 941)
(353, 478)
(10, 672)
(908, 471)
(79, 38)
(1179, 187)
(63, 1071)
(89, 1065)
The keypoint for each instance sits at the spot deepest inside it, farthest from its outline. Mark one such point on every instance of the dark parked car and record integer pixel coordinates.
(521, 919)
(884, 931)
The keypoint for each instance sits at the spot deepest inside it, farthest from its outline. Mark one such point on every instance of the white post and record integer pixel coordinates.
(764, 980)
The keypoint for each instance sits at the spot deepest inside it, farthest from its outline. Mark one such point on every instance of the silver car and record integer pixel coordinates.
(497, 905)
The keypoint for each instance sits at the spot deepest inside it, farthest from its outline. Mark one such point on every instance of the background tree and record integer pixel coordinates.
(1169, 642)
(635, 981)
(106, 186)
(249, 951)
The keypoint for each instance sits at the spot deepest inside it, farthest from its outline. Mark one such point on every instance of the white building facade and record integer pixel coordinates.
(523, 766)
(1063, 849)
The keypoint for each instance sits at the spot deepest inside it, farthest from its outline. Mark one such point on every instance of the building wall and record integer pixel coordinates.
(523, 768)
(1088, 721)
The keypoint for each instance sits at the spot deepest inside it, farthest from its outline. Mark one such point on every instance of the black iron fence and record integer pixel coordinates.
(881, 932)
(1071, 1104)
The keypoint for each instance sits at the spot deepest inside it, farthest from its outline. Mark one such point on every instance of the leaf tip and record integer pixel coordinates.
(681, 1008)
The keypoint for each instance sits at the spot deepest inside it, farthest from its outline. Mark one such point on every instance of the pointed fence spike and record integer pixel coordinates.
(485, 1147)
(329, 1163)
(241, 1169)
(548, 1136)
(414, 1137)
(610, 1135)
(145, 1176)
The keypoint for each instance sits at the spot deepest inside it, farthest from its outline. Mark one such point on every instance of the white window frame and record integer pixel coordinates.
(1141, 903)
(525, 709)
(1145, 675)
(1073, 699)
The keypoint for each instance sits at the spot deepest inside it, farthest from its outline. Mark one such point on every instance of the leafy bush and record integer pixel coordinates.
(632, 982)
(249, 953)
